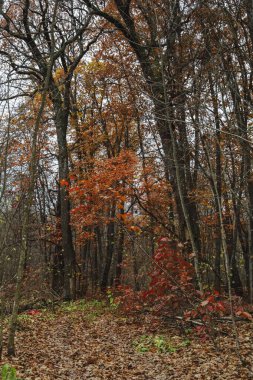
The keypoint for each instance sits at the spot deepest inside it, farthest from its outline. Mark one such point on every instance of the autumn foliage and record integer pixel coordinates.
(170, 282)
(126, 153)
(108, 181)
(171, 279)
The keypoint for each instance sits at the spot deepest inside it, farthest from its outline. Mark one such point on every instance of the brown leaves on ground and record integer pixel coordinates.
(96, 343)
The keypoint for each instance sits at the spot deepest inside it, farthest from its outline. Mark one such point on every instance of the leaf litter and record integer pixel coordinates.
(97, 343)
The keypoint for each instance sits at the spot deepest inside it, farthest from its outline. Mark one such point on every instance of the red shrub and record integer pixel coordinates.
(171, 278)
(170, 284)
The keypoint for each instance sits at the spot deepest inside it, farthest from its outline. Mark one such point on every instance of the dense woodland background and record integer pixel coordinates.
(125, 150)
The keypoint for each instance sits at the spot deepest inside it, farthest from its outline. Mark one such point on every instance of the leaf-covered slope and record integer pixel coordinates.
(82, 341)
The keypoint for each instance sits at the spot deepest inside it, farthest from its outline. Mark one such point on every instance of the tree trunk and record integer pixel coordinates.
(120, 252)
(61, 115)
(109, 250)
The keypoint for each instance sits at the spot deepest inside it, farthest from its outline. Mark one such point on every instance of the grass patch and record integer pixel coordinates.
(94, 306)
(8, 373)
(157, 343)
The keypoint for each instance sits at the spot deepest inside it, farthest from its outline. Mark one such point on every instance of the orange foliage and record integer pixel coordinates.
(106, 183)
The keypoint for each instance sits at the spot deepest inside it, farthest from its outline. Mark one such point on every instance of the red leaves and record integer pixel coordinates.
(170, 279)
(171, 271)
(216, 306)
(33, 312)
(64, 182)
(130, 300)
(244, 314)
(221, 307)
(211, 306)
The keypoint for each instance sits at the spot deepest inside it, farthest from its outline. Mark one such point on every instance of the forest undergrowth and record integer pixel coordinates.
(93, 339)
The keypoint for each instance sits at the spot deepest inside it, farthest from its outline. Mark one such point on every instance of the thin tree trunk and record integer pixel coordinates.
(27, 208)
(109, 250)
(217, 263)
(120, 251)
(1, 322)
(25, 225)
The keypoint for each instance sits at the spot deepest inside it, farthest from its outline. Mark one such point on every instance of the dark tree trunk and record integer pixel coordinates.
(57, 259)
(109, 250)
(120, 253)
(61, 114)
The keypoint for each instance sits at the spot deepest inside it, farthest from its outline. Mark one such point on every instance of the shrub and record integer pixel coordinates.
(171, 280)
(170, 285)
(9, 373)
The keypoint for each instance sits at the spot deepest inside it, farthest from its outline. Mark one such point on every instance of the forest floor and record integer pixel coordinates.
(88, 340)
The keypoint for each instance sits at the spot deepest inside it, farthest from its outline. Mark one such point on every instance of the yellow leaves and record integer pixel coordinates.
(94, 67)
(59, 74)
(38, 97)
(203, 197)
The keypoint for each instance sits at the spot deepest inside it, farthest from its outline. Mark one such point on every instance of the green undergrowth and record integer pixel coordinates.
(8, 373)
(82, 305)
(158, 343)
(90, 309)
